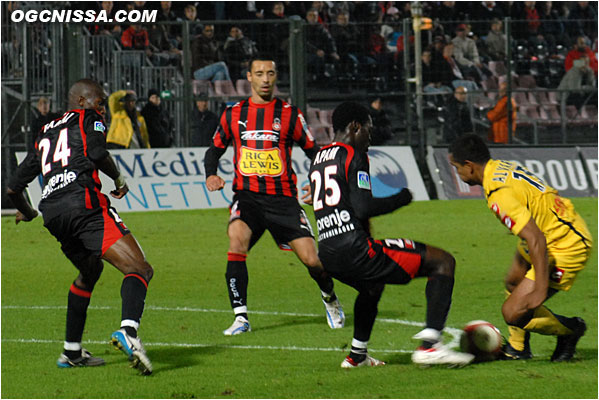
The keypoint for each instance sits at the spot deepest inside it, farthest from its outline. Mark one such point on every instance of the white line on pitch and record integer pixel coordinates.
(455, 333)
(201, 345)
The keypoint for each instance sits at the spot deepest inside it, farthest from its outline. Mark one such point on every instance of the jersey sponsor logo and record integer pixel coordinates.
(58, 182)
(306, 127)
(325, 155)
(557, 274)
(254, 162)
(99, 126)
(495, 208)
(334, 224)
(244, 124)
(507, 221)
(260, 135)
(363, 180)
(276, 124)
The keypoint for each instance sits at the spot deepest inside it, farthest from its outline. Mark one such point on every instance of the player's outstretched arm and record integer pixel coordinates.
(108, 166)
(25, 212)
(367, 206)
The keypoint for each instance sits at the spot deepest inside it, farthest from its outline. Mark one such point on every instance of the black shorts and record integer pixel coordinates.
(284, 218)
(83, 232)
(387, 261)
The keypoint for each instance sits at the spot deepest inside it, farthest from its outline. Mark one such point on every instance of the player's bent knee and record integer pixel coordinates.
(440, 262)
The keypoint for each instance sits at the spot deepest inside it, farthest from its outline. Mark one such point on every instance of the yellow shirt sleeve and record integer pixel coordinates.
(508, 208)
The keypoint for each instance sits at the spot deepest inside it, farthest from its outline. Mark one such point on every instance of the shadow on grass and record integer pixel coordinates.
(179, 357)
(291, 321)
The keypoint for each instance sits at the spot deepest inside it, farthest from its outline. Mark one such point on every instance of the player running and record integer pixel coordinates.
(262, 130)
(68, 153)
(554, 246)
(343, 203)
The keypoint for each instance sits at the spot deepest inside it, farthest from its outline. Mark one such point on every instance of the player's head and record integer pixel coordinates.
(87, 94)
(262, 74)
(352, 124)
(469, 155)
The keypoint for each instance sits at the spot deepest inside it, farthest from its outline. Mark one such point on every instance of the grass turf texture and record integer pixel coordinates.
(286, 355)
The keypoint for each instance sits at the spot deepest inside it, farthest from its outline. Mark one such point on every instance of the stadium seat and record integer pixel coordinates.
(589, 112)
(489, 83)
(322, 134)
(202, 87)
(312, 115)
(224, 88)
(521, 99)
(532, 98)
(527, 81)
(497, 68)
(549, 115)
(326, 117)
(244, 87)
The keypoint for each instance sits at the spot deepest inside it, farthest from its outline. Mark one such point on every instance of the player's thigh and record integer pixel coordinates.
(516, 306)
(246, 222)
(305, 249)
(437, 261)
(518, 269)
(400, 259)
(287, 221)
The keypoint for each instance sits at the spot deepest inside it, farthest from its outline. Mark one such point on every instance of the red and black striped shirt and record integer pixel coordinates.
(262, 137)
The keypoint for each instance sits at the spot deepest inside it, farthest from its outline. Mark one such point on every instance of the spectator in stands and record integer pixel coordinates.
(579, 81)
(276, 36)
(166, 14)
(552, 28)
(159, 122)
(206, 61)
(347, 38)
(580, 50)
(466, 54)
(582, 20)
(108, 29)
(450, 73)
(321, 47)
(190, 13)
(496, 41)
(238, 52)
(163, 51)
(498, 116)
(322, 8)
(136, 38)
(244, 10)
(203, 123)
(456, 116)
(447, 14)
(381, 125)
(431, 78)
(482, 13)
(41, 116)
(378, 51)
(128, 129)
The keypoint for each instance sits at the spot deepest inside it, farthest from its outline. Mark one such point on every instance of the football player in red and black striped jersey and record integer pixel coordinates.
(69, 152)
(343, 203)
(262, 131)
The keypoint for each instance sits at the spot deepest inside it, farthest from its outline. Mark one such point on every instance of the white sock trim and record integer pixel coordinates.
(240, 310)
(429, 335)
(130, 323)
(72, 346)
(359, 344)
(325, 294)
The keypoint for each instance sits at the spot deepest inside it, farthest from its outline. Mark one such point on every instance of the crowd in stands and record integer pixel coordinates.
(556, 42)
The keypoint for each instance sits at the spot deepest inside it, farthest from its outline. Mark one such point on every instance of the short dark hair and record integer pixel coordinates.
(347, 112)
(261, 57)
(469, 147)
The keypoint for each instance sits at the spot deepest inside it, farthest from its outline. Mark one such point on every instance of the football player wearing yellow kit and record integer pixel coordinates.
(554, 246)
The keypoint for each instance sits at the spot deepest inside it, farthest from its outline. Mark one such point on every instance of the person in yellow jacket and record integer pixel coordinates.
(128, 128)
(554, 246)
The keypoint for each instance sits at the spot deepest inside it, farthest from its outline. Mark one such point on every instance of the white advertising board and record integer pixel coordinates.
(174, 179)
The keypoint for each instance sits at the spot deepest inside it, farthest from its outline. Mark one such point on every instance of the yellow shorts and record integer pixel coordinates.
(563, 267)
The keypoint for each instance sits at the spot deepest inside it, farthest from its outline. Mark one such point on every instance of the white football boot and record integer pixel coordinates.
(335, 314)
(368, 362)
(240, 325)
(133, 349)
(439, 354)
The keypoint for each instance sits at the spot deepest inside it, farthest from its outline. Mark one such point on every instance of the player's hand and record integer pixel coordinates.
(120, 192)
(307, 196)
(215, 182)
(19, 216)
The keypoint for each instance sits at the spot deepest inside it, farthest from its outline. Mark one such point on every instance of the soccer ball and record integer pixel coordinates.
(482, 339)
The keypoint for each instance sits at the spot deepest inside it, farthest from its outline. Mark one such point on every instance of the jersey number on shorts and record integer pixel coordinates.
(329, 184)
(61, 153)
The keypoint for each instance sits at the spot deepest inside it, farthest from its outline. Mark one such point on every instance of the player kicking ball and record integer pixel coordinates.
(554, 246)
(343, 203)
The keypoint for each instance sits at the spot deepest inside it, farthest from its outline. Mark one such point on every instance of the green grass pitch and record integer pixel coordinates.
(291, 352)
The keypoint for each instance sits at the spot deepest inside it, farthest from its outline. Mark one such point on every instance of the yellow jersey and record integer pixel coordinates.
(516, 195)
